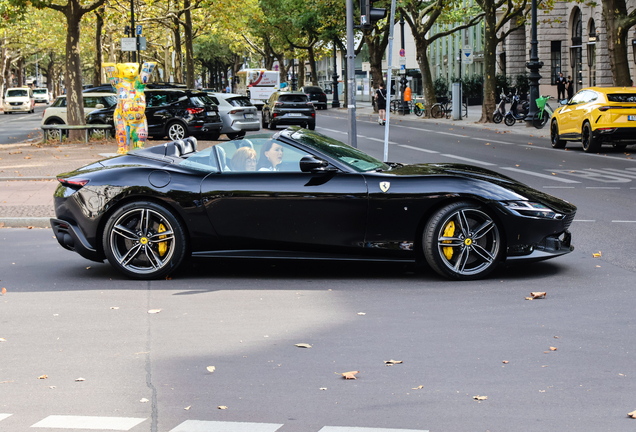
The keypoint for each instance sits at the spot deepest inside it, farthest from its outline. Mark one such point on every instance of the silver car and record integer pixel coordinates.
(237, 113)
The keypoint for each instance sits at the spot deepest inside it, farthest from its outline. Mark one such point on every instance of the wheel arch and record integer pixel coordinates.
(54, 120)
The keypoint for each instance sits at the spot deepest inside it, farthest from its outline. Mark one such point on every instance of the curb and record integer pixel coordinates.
(25, 222)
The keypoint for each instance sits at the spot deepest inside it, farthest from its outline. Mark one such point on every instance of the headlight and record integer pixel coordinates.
(531, 209)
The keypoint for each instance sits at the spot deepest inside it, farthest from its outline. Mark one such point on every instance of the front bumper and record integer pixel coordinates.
(622, 135)
(550, 247)
(70, 237)
(19, 108)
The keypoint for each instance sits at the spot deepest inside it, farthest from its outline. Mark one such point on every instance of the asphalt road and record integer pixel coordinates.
(68, 318)
(20, 127)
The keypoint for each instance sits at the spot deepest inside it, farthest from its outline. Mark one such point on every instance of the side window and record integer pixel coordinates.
(61, 103)
(90, 102)
(591, 96)
(214, 99)
(258, 155)
(157, 100)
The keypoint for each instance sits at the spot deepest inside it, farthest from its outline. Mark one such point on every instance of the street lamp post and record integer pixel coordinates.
(534, 65)
(336, 102)
(404, 106)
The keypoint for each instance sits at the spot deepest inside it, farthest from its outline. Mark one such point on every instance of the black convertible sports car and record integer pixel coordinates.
(298, 194)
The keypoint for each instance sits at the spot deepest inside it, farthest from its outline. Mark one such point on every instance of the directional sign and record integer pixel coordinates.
(138, 30)
(467, 54)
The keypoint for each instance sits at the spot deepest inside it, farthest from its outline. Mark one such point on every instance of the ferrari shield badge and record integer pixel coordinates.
(384, 186)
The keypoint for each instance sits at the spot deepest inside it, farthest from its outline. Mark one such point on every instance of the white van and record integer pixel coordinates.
(42, 95)
(18, 100)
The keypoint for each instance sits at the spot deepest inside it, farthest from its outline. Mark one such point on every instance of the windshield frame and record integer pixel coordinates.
(24, 91)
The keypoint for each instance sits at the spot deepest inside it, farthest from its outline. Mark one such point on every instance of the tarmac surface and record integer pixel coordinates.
(28, 170)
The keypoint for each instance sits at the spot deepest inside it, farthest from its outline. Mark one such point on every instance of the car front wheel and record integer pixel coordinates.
(462, 241)
(144, 240)
(176, 131)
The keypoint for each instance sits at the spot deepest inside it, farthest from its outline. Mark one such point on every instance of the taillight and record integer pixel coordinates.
(274, 114)
(604, 108)
(605, 130)
(279, 104)
(236, 111)
(195, 110)
(313, 114)
(74, 184)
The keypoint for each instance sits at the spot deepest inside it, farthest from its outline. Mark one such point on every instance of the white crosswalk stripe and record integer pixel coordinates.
(541, 175)
(364, 429)
(89, 422)
(221, 426)
(4, 416)
(474, 161)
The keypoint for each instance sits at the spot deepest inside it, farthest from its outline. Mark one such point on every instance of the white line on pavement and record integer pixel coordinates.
(618, 221)
(614, 171)
(469, 160)
(492, 141)
(376, 139)
(88, 422)
(333, 130)
(417, 148)
(220, 426)
(558, 187)
(364, 429)
(583, 220)
(414, 128)
(4, 416)
(452, 134)
(601, 187)
(14, 119)
(558, 179)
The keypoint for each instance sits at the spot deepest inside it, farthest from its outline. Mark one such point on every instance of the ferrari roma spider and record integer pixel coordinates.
(298, 194)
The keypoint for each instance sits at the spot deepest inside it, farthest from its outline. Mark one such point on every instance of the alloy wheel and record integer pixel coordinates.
(176, 131)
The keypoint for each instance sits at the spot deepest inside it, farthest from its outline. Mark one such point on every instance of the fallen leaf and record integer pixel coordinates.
(114, 307)
(88, 268)
(168, 277)
(553, 348)
(361, 313)
(323, 388)
(303, 345)
(29, 227)
(43, 377)
(349, 375)
(4, 291)
(541, 391)
(188, 407)
(557, 337)
(528, 298)
(154, 311)
(420, 387)
(222, 407)
(392, 362)
(538, 295)
(597, 255)
(632, 414)
(211, 369)
(544, 366)
(506, 362)
(3, 340)
(80, 379)
(480, 397)
(52, 387)
(143, 400)
(27, 157)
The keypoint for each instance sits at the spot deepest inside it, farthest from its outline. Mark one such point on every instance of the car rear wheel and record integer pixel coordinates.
(311, 126)
(556, 141)
(462, 241)
(213, 136)
(176, 131)
(54, 134)
(590, 145)
(144, 240)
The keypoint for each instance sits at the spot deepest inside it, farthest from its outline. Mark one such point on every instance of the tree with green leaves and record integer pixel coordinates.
(618, 21)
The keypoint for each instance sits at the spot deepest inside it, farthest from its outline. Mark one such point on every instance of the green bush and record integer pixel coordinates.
(503, 83)
(473, 86)
(522, 84)
(441, 87)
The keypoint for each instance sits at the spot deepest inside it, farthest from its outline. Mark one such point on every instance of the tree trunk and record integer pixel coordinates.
(99, 25)
(490, 65)
(178, 69)
(300, 73)
(50, 74)
(617, 25)
(427, 80)
(312, 66)
(73, 74)
(3, 57)
(188, 45)
(19, 71)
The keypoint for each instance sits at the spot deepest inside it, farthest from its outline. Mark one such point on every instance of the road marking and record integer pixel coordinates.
(4, 416)
(617, 221)
(333, 130)
(452, 134)
(583, 220)
(89, 422)
(417, 148)
(220, 426)
(601, 187)
(492, 141)
(614, 171)
(375, 139)
(414, 128)
(469, 160)
(562, 180)
(558, 187)
(365, 429)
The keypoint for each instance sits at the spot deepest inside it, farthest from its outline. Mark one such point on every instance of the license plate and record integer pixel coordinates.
(294, 115)
(631, 117)
(16, 108)
(250, 115)
(211, 114)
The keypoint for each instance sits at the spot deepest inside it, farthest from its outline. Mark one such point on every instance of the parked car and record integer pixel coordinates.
(308, 196)
(18, 100)
(175, 113)
(316, 95)
(596, 116)
(104, 88)
(56, 113)
(42, 95)
(289, 108)
(238, 114)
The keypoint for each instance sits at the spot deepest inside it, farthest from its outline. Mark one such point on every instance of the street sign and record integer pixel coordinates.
(142, 43)
(138, 32)
(402, 52)
(402, 61)
(467, 54)
(402, 69)
(129, 44)
(366, 66)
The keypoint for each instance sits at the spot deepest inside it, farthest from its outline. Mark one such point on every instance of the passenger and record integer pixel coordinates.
(244, 159)
(271, 157)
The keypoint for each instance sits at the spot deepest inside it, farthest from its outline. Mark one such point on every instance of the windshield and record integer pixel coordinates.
(17, 93)
(313, 90)
(239, 101)
(201, 100)
(39, 91)
(346, 154)
(110, 101)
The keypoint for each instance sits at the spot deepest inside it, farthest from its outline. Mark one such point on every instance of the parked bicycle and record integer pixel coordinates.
(442, 109)
(543, 114)
(418, 108)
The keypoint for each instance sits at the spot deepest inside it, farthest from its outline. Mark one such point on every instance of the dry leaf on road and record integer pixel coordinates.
(303, 345)
(153, 311)
(392, 362)
(80, 379)
(553, 349)
(114, 307)
(632, 414)
(143, 400)
(188, 407)
(538, 295)
(506, 362)
(4, 291)
(3, 340)
(211, 369)
(222, 407)
(43, 377)
(323, 388)
(479, 398)
(362, 313)
(348, 375)
(420, 387)
(597, 255)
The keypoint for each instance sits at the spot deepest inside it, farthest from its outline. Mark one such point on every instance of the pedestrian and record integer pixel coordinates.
(570, 87)
(380, 100)
(227, 89)
(561, 86)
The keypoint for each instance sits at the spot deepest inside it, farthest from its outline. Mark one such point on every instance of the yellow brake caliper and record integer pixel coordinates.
(449, 231)
(163, 246)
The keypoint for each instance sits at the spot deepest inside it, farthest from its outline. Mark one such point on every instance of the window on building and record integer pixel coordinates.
(555, 55)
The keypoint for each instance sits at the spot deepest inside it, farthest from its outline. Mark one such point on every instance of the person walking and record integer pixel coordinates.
(569, 86)
(561, 86)
(380, 100)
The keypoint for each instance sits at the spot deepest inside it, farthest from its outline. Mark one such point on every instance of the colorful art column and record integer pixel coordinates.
(131, 127)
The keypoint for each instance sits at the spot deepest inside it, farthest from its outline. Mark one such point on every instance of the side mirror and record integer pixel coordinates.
(313, 164)
(99, 106)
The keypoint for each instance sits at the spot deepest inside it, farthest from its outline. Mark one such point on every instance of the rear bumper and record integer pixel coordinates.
(70, 237)
(287, 120)
(207, 128)
(623, 135)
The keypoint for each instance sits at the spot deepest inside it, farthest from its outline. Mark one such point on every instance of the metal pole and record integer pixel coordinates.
(293, 80)
(132, 29)
(336, 102)
(36, 72)
(351, 93)
(404, 106)
(534, 65)
(461, 59)
(388, 79)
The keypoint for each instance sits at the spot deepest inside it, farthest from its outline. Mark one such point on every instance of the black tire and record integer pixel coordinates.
(54, 134)
(418, 111)
(540, 122)
(473, 247)
(509, 120)
(176, 131)
(235, 135)
(555, 140)
(497, 117)
(590, 145)
(265, 124)
(311, 126)
(437, 111)
(134, 244)
(270, 125)
(213, 136)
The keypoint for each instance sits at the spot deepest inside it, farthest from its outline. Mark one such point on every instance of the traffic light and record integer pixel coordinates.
(369, 14)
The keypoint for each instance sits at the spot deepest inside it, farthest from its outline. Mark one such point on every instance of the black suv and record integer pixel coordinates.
(289, 108)
(175, 113)
(316, 95)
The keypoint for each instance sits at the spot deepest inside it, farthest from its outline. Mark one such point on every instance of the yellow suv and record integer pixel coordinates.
(596, 116)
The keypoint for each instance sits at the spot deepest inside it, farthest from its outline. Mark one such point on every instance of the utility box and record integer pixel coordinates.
(457, 105)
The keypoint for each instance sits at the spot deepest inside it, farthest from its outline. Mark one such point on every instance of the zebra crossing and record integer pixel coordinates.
(100, 423)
